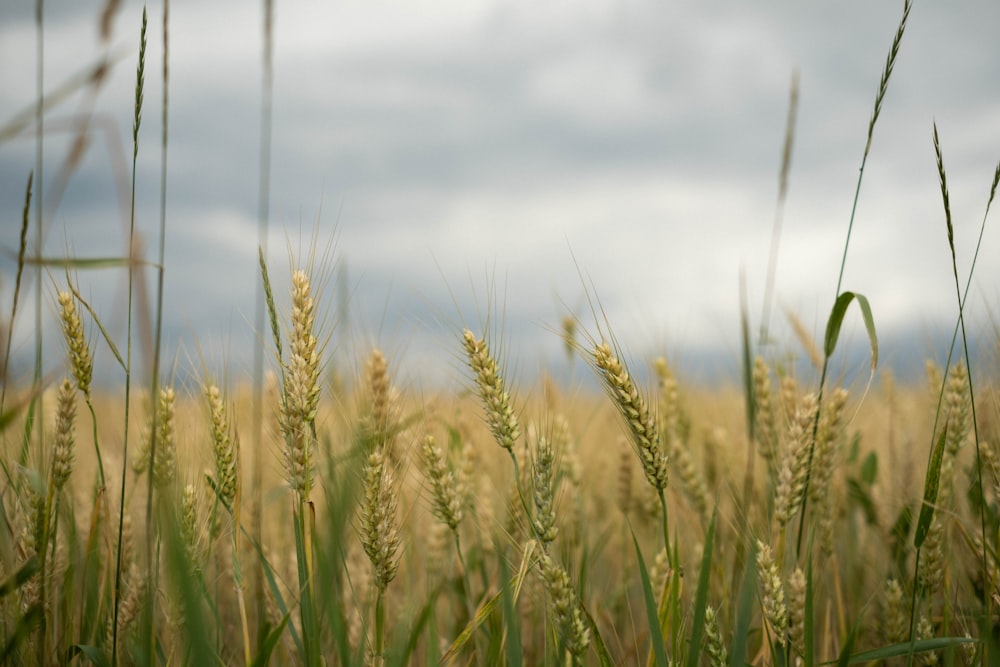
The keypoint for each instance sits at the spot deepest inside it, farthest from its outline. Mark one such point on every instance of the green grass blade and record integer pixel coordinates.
(845, 654)
(897, 650)
(513, 651)
(833, 324)
(701, 595)
(87, 263)
(100, 325)
(487, 608)
(404, 655)
(930, 490)
(809, 629)
(602, 649)
(272, 311)
(94, 654)
(15, 581)
(270, 642)
(24, 626)
(652, 616)
(744, 611)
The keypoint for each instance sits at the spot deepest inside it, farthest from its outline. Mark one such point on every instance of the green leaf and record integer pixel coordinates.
(869, 468)
(487, 608)
(511, 621)
(24, 626)
(744, 612)
(701, 595)
(92, 653)
(930, 489)
(858, 493)
(270, 642)
(652, 617)
(808, 630)
(845, 653)
(837, 319)
(896, 650)
(15, 581)
(87, 263)
(405, 655)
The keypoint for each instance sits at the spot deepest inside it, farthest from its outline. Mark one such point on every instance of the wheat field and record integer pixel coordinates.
(333, 514)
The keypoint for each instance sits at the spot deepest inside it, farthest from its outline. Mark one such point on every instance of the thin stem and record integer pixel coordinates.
(263, 213)
(157, 337)
(39, 237)
(136, 123)
(879, 98)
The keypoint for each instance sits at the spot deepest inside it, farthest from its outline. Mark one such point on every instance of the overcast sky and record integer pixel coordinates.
(458, 154)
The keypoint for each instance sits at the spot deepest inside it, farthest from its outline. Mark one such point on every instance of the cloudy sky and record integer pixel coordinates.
(504, 156)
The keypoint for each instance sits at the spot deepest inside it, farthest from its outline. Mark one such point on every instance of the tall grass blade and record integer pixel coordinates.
(87, 263)
(487, 607)
(779, 209)
(18, 579)
(744, 606)
(31, 618)
(270, 642)
(21, 250)
(272, 311)
(960, 297)
(897, 650)
(809, 629)
(404, 655)
(931, 482)
(701, 595)
(844, 659)
(657, 646)
(511, 623)
(92, 653)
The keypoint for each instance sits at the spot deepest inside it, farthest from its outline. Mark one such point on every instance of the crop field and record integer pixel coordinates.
(333, 514)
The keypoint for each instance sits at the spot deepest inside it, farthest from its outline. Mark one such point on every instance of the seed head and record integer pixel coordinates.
(79, 353)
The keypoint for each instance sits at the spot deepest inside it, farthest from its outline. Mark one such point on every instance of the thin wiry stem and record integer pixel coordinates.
(136, 123)
(960, 325)
(779, 209)
(263, 214)
(21, 250)
(883, 86)
(39, 237)
(158, 335)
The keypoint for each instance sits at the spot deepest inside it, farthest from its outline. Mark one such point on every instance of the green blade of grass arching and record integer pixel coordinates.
(836, 320)
(931, 482)
(701, 595)
(652, 616)
(94, 654)
(832, 335)
(99, 323)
